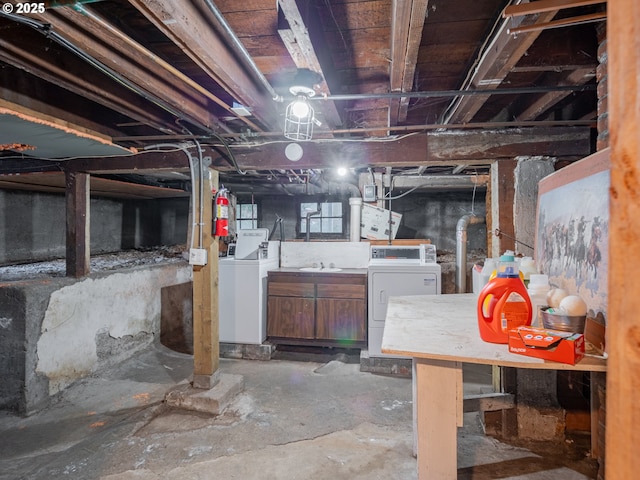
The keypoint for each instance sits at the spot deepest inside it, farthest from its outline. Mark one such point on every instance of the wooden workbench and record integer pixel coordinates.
(440, 332)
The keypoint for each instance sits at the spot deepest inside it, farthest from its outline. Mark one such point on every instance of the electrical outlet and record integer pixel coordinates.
(197, 256)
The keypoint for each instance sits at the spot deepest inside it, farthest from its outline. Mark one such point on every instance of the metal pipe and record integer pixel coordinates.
(159, 61)
(309, 214)
(456, 93)
(461, 250)
(47, 31)
(231, 36)
(355, 218)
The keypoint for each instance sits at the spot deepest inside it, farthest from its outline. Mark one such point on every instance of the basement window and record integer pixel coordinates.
(329, 222)
(246, 216)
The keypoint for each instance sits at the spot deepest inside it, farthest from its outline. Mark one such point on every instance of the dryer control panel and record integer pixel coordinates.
(403, 254)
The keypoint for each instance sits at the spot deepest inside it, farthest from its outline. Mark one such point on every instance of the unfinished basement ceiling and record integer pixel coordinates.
(398, 84)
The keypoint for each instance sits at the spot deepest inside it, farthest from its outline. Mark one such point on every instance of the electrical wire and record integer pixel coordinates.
(232, 157)
(48, 32)
(184, 148)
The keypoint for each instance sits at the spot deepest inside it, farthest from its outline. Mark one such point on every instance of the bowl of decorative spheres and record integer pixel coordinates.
(560, 321)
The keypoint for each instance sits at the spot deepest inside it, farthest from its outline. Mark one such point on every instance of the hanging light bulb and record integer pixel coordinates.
(300, 108)
(299, 117)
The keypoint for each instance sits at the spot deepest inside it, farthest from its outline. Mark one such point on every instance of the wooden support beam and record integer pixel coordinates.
(565, 22)
(541, 6)
(297, 39)
(145, 160)
(206, 348)
(488, 402)
(421, 149)
(77, 213)
(113, 52)
(544, 102)
(50, 62)
(188, 25)
(406, 33)
(623, 321)
(499, 57)
(502, 191)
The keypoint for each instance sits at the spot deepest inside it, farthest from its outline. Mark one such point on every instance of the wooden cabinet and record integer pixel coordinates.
(327, 309)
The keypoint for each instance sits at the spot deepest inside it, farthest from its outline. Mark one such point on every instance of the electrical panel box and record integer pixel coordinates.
(197, 256)
(369, 193)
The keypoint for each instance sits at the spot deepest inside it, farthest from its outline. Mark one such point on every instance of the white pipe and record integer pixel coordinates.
(461, 250)
(355, 218)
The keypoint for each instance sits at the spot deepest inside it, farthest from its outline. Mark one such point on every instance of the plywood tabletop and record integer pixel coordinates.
(445, 327)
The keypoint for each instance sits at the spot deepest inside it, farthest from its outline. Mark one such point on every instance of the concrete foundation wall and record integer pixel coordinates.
(32, 225)
(432, 214)
(57, 331)
(529, 171)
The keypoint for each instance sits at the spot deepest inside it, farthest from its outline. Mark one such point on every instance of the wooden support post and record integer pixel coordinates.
(435, 383)
(206, 349)
(502, 196)
(77, 219)
(623, 322)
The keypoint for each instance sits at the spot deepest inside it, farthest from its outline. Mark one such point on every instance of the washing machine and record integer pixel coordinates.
(242, 288)
(398, 271)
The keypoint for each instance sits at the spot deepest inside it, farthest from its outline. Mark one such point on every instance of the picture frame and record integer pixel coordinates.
(572, 230)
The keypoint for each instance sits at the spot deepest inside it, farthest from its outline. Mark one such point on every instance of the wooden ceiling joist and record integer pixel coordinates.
(110, 50)
(406, 33)
(495, 63)
(189, 27)
(579, 76)
(299, 44)
(541, 6)
(564, 22)
(71, 73)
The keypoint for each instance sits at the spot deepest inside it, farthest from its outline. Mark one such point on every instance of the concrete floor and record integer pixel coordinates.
(299, 417)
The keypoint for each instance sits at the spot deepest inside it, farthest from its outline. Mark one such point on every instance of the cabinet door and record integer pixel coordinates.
(340, 319)
(291, 317)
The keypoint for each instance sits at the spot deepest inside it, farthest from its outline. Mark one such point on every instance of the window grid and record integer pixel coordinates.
(247, 216)
(329, 220)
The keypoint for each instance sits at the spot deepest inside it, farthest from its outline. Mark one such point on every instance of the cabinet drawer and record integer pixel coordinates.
(282, 289)
(341, 291)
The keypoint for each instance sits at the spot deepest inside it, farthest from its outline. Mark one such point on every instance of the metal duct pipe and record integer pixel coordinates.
(461, 250)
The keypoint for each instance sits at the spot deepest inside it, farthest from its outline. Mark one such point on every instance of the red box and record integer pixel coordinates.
(563, 347)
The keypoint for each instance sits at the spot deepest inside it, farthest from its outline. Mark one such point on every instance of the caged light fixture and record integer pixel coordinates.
(299, 117)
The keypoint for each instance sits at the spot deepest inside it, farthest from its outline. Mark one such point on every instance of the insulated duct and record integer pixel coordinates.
(461, 250)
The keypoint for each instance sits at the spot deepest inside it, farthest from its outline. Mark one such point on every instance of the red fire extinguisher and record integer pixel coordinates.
(221, 227)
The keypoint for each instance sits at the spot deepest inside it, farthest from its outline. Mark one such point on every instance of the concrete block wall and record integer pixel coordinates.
(33, 226)
(57, 331)
(430, 214)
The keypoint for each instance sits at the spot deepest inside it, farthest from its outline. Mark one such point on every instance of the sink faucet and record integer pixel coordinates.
(309, 214)
(321, 265)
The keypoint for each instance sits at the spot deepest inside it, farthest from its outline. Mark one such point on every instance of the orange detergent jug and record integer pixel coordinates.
(509, 306)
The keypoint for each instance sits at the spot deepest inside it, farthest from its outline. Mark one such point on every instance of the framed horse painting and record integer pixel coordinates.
(572, 230)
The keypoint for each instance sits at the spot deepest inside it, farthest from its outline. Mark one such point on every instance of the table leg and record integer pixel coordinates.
(437, 414)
